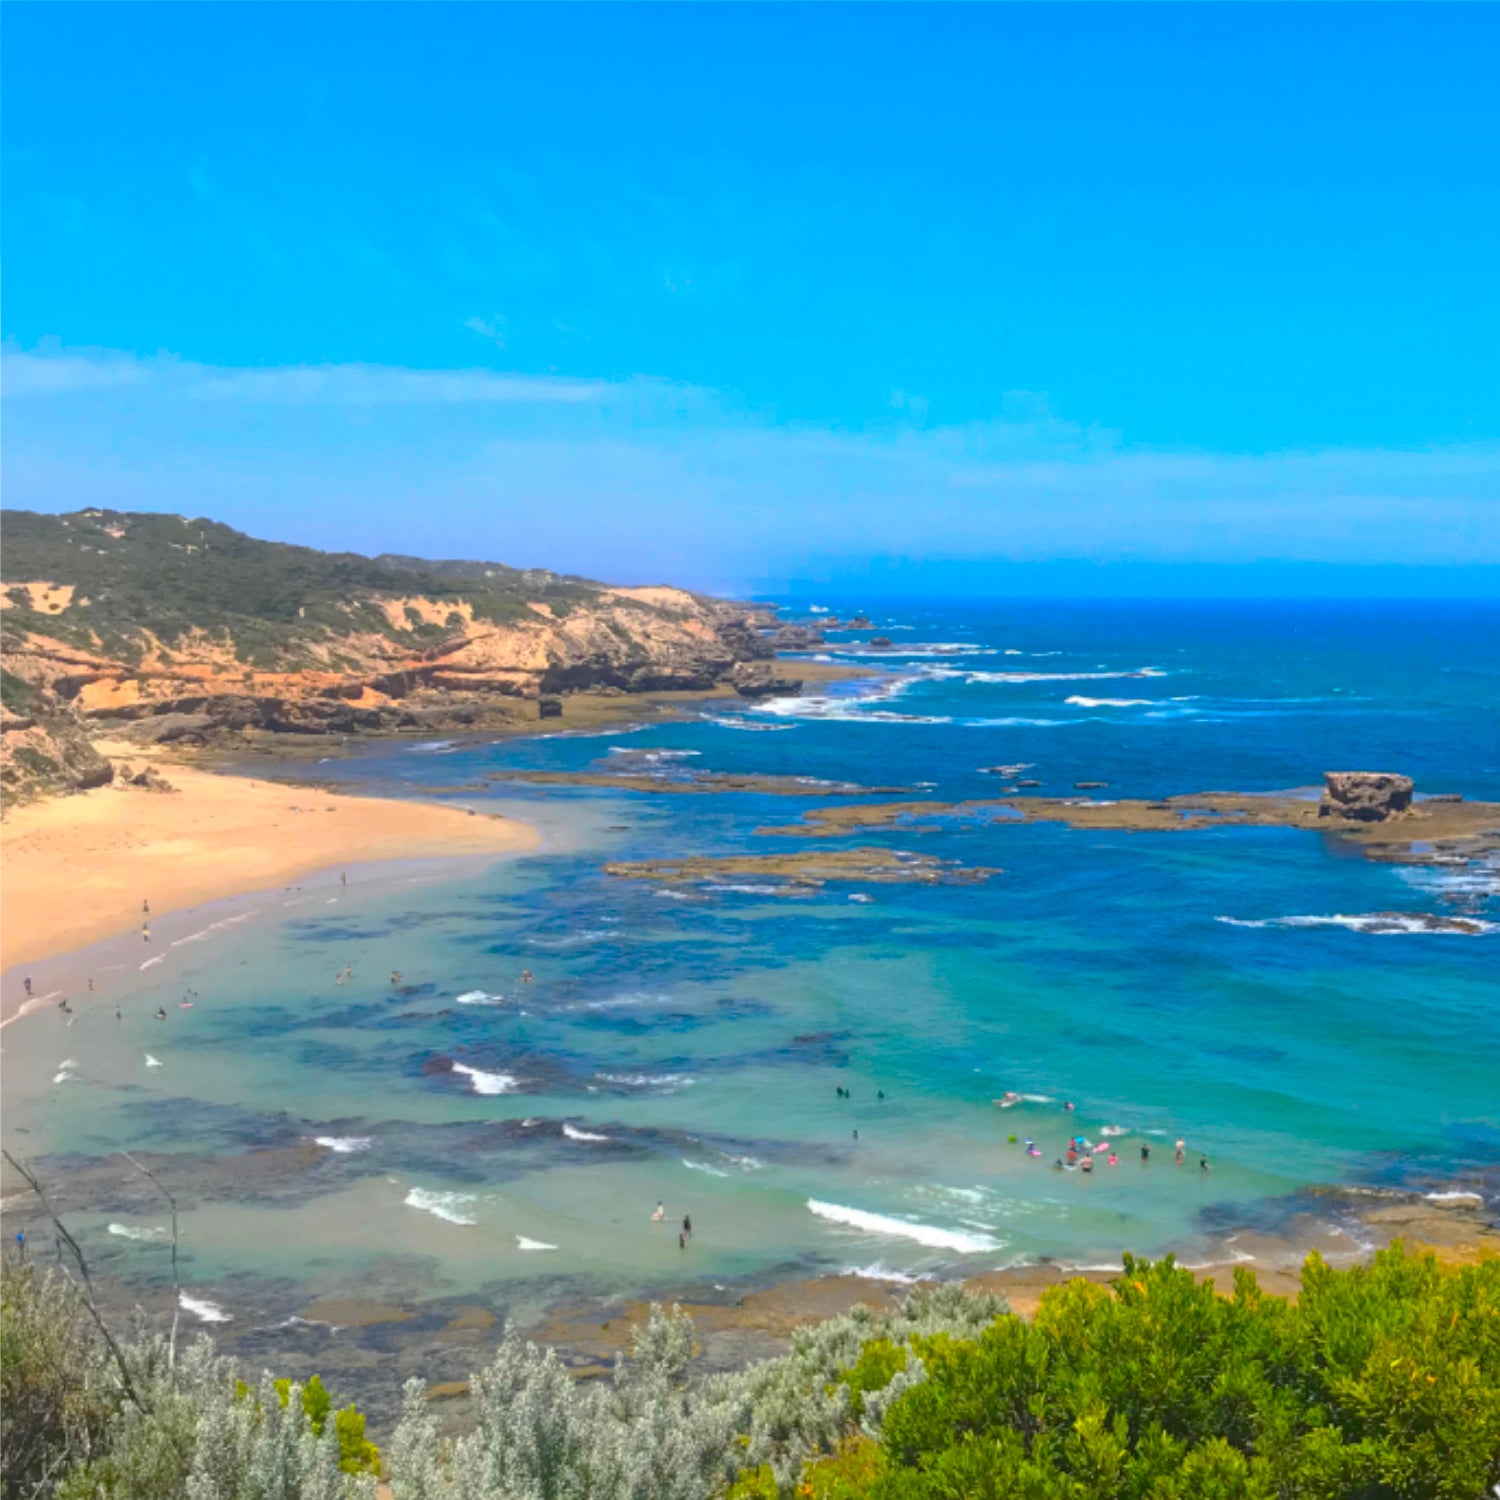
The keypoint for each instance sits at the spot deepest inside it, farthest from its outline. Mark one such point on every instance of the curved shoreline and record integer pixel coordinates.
(79, 868)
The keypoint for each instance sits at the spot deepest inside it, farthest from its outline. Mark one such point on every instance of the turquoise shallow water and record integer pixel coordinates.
(686, 1046)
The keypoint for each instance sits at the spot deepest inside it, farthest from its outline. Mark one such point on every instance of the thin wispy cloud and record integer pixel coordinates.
(643, 479)
(32, 373)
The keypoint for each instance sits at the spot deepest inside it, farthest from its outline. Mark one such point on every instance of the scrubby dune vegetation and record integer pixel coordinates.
(1379, 1383)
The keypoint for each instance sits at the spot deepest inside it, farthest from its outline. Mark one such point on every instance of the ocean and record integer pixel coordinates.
(812, 1078)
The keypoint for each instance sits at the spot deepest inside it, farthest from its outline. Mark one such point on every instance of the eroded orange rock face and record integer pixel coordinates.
(438, 662)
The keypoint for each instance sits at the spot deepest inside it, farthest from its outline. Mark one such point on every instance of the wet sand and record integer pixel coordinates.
(78, 868)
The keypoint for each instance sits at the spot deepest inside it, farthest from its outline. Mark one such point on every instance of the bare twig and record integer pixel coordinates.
(87, 1289)
(176, 1280)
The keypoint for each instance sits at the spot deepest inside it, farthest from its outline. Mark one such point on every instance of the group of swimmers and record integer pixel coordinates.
(684, 1234)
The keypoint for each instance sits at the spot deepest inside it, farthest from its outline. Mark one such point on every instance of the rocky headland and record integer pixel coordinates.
(161, 630)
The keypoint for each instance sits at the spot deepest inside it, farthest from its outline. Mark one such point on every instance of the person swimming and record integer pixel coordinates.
(161, 1013)
(1203, 1164)
(526, 976)
(1087, 1164)
(1114, 1160)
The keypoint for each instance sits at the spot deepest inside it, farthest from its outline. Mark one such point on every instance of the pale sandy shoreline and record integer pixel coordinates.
(75, 870)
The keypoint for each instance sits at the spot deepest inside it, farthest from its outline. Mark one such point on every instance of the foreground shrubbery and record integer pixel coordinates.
(1381, 1383)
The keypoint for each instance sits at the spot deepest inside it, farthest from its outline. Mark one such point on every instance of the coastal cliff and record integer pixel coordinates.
(164, 629)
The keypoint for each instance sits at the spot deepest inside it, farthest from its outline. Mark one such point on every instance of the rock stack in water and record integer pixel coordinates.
(1364, 796)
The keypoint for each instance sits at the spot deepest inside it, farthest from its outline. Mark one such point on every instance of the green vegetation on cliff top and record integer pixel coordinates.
(134, 572)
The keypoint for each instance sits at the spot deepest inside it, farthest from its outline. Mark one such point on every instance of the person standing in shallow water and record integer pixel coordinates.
(687, 1225)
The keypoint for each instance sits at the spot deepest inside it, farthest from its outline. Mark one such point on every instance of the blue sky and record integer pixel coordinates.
(754, 297)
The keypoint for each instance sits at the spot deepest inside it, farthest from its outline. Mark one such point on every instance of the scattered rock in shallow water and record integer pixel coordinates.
(1364, 796)
(797, 638)
(798, 874)
(1089, 786)
(760, 679)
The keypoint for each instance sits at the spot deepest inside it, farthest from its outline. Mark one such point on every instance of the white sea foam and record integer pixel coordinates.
(130, 1232)
(486, 1083)
(1078, 702)
(432, 747)
(203, 932)
(450, 1207)
(930, 1235)
(152, 1062)
(1015, 677)
(528, 1244)
(1454, 1195)
(669, 1082)
(65, 1072)
(747, 724)
(479, 997)
(878, 1272)
(703, 1166)
(345, 1145)
(674, 895)
(1380, 924)
(151, 963)
(204, 1310)
(573, 1133)
(747, 889)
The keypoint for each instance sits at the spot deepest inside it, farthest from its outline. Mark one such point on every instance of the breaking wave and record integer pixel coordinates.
(204, 1310)
(486, 1083)
(130, 1232)
(345, 1145)
(450, 1207)
(1379, 923)
(930, 1235)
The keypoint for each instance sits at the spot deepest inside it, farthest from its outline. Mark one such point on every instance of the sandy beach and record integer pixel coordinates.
(76, 869)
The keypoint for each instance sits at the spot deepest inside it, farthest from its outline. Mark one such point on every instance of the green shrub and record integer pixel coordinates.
(1381, 1383)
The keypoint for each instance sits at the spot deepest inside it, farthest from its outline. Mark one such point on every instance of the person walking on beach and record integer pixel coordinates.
(145, 908)
(681, 1240)
(344, 878)
(27, 983)
(146, 931)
